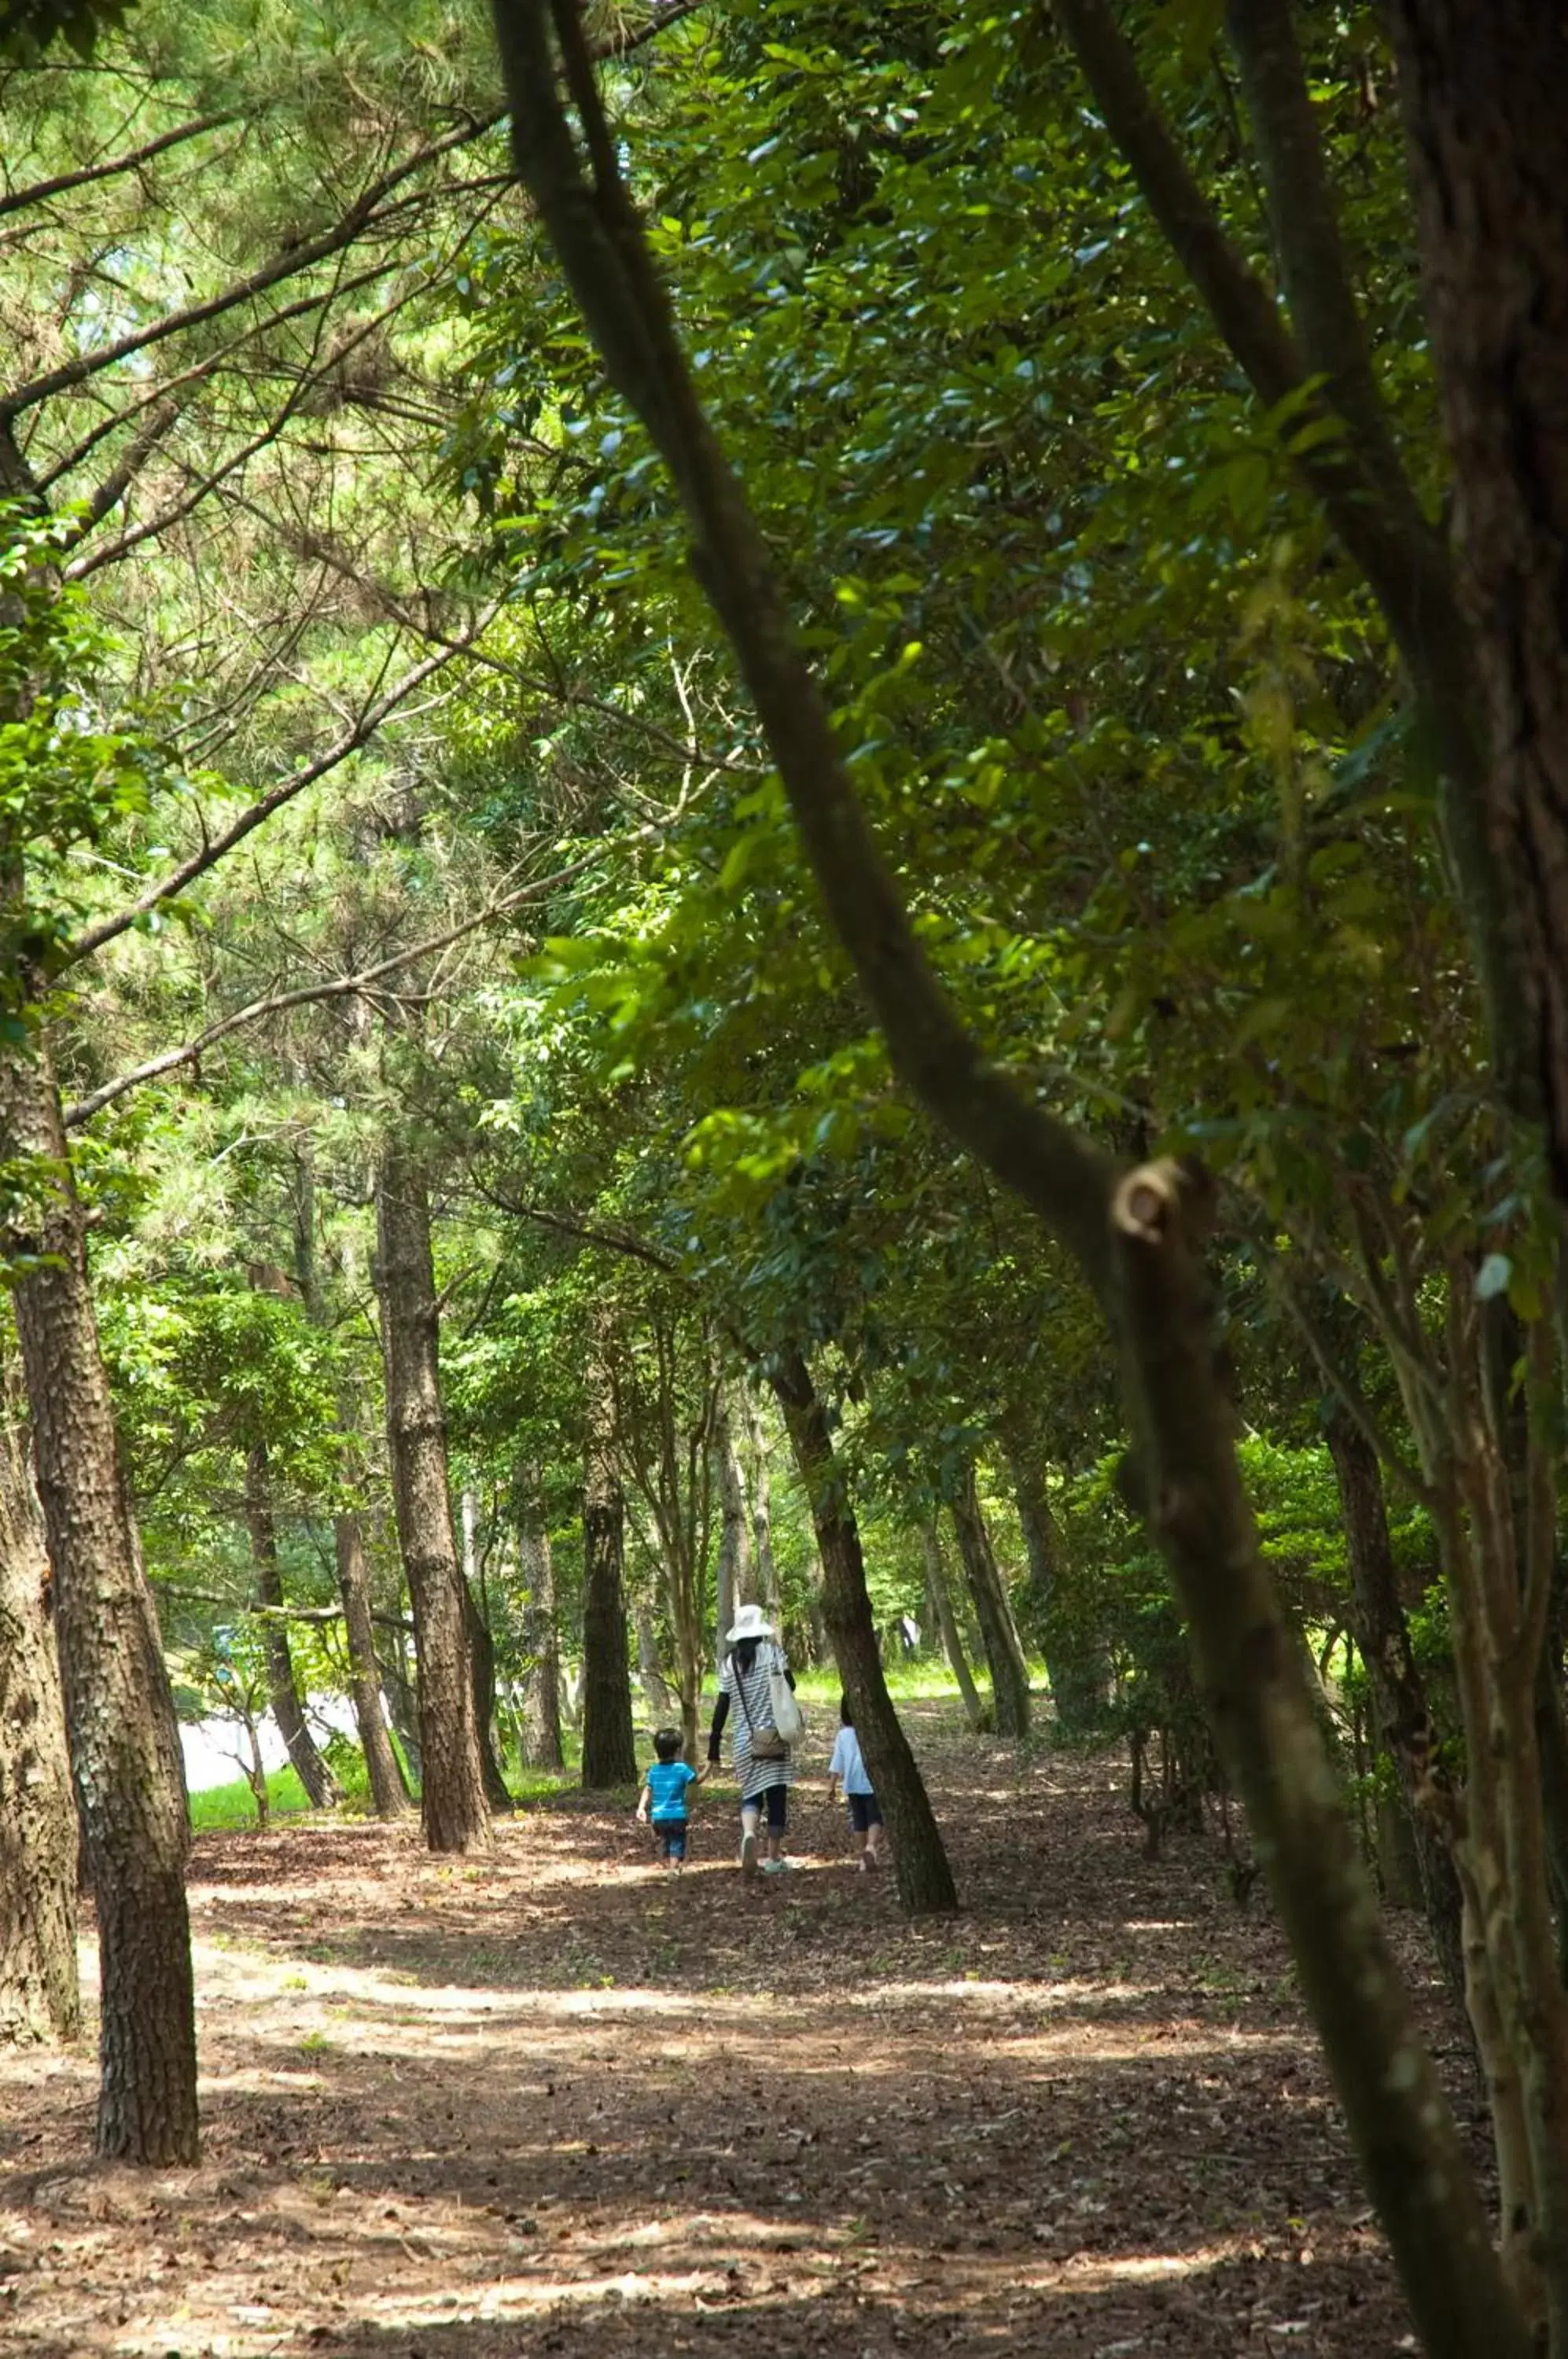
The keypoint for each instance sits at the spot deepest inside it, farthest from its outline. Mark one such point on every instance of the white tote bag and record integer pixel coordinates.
(788, 1717)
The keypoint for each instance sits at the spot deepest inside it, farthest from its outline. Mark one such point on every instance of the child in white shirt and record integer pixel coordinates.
(847, 1768)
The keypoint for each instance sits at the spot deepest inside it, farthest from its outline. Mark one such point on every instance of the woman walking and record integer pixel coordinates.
(762, 1762)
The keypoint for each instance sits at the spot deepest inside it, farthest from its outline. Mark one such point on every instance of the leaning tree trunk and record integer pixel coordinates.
(451, 1799)
(541, 1644)
(125, 1744)
(939, 1599)
(920, 1859)
(40, 1997)
(1075, 1659)
(282, 1690)
(389, 1790)
(1400, 1720)
(1483, 87)
(762, 1507)
(998, 1631)
(609, 1746)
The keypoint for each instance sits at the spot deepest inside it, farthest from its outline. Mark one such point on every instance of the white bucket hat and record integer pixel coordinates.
(750, 1622)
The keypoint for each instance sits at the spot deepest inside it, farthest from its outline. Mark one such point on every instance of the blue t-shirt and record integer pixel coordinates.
(848, 1765)
(667, 1782)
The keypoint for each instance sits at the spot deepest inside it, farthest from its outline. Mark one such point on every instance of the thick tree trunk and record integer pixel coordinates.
(920, 1859)
(125, 1746)
(1400, 1720)
(388, 1789)
(1076, 1662)
(40, 1998)
(609, 1746)
(541, 1644)
(1484, 90)
(998, 1631)
(939, 1599)
(283, 1692)
(451, 1800)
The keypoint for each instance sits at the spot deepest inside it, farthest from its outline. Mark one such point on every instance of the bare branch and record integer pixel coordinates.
(364, 983)
(357, 736)
(361, 216)
(16, 200)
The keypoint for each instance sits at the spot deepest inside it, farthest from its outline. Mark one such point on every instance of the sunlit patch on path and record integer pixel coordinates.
(557, 2103)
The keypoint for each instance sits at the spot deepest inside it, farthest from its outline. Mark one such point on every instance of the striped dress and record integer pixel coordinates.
(754, 1777)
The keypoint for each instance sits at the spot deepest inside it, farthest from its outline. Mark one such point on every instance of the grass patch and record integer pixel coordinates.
(234, 1805)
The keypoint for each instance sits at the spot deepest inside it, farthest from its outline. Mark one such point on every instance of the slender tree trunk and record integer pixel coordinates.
(283, 1693)
(609, 1746)
(402, 1706)
(40, 1998)
(1401, 1722)
(388, 1787)
(1075, 1660)
(389, 1790)
(451, 1802)
(939, 1599)
(125, 1744)
(920, 1859)
(735, 1581)
(998, 1631)
(541, 1645)
(481, 1660)
(762, 1506)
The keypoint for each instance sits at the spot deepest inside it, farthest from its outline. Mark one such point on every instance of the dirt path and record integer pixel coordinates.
(559, 2103)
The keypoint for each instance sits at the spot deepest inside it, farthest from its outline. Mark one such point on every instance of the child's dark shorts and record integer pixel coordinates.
(864, 1813)
(671, 1835)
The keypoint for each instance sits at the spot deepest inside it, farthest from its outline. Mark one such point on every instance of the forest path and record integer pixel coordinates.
(558, 2103)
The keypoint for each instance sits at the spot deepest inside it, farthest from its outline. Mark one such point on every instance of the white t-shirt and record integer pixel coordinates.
(847, 1766)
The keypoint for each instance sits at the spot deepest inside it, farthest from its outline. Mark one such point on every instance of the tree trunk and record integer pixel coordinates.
(541, 1645)
(283, 1693)
(735, 1581)
(1484, 90)
(1076, 1662)
(451, 1800)
(1400, 1721)
(661, 1700)
(609, 1746)
(762, 1507)
(920, 1859)
(998, 1631)
(402, 1707)
(40, 1997)
(388, 1789)
(938, 1600)
(124, 1744)
(482, 1659)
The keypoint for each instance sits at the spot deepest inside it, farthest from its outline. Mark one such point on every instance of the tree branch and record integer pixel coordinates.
(361, 216)
(358, 734)
(16, 200)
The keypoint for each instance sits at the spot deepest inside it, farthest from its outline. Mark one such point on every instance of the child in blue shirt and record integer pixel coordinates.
(663, 1796)
(848, 1768)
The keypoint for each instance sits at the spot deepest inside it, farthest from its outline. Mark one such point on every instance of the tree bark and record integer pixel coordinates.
(283, 1692)
(1075, 1661)
(481, 1660)
(1401, 1721)
(388, 1789)
(734, 1581)
(939, 1598)
(998, 1631)
(920, 1858)
(39, 1996)
(1484, 91)
(609, 1746)
(762, 1507)
(541, 1645)
(451, 1799)
(125, 1744)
